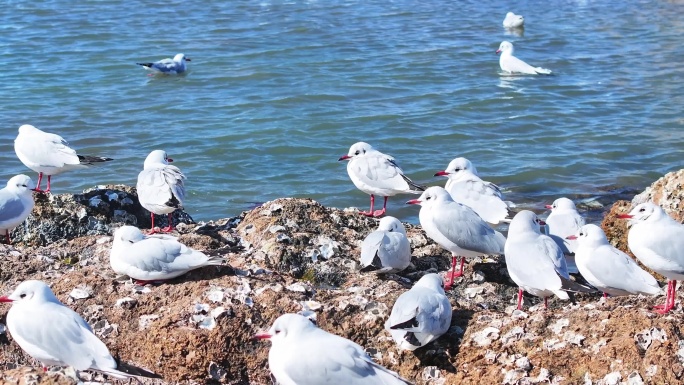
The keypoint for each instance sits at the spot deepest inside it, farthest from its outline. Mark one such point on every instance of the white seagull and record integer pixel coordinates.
(168, 66)
(377, 174)
(56, 335)
(513, 65)
(513, 21)
(457, 228)
(160, 187)
(154, 258)
(16, 203)
(564, 221)
(535, 262)
(607, 268)
(467, 188)
(657, 241)
(303, 354)
(49, 154)
(421, 315)
(386, 250)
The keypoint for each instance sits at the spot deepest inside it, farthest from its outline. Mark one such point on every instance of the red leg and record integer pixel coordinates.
(379, 213)
(662, 309)
(454, 274)
(605, 295)
(170, 227)
(673, 295)
(45, 369)
(152, 229)
(48, 186)
(546, 302)
(40, 179)
(520, 298)
(369, 213)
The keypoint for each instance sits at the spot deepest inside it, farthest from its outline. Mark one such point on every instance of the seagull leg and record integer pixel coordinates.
(152, 229)
(48, 186)
(40, 179)
(370, 212)
(379, 213)
(663, 309)
(9, 241)
(520, 298)
(168, 228)
(546, 303)
(453, 273)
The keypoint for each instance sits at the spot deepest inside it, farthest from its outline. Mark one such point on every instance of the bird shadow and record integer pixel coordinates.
(448, 345)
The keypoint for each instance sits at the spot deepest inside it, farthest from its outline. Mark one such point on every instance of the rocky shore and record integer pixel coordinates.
(292, 255)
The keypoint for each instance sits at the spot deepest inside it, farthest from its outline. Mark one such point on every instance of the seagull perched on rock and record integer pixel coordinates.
(303, 354)
(49, 154)
(16, 203)
(160, 187)
(421, 315)
(513, 65)
(386, 250)
(563, 222)
(168, 66)
(377, 174)
(53, 334)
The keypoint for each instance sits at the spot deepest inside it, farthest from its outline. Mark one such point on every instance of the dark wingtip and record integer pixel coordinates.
(412, 323)
(134, 370)
(92, 159)
(410, 337)
(145, 64)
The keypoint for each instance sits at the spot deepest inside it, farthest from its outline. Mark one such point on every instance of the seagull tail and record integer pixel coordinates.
(216, 260)
(418, 188)
(124, 370)
(410, 324)
(89, 160)
(542, 71)
(572, 286)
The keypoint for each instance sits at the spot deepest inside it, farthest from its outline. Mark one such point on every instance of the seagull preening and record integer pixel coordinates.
(56, 335)
(513, 21)
(154, 258)
(657, 241)
(49, 154)
(457, 228)
(386, 250)
(168, 65)
(16, 203)
(466, 187)
(563, 222)
(160, 187)
(376, 173)
(420, 315)
(513, 65)
(607, 268)
(535, 262)
(303, 354)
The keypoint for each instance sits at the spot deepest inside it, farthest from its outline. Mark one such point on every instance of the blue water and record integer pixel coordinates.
(278, 91)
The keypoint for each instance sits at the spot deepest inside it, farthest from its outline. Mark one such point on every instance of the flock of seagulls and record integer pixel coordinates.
(459, 217)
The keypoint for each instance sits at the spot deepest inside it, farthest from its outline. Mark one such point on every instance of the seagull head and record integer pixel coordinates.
(525, 221)
(357, 149)
(128, 234)
(155, 158)
(21, 184)
(431, 281)
(30, 292)
(589, 235)
(287, 326)
(391, 224)
(456, 167)
(431, 196)
(562, 204)
(179, 58)
(505, 47)
(27, 128)
(644, 212)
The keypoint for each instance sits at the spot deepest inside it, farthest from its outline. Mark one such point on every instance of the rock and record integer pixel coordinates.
(667, 192)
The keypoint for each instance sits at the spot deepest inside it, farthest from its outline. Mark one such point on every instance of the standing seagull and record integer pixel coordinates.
(16, 203)
(386, 250)
(421, 315)
(154, 258)
(658, 241)
(49, 154)
(457, 228)
(513, 65)
(168, 66)
(56, 335)
(465, 187)
(160, 187)
(607, 268)
(535, 262)
(303, 354)
(377, 174)
(563, 222)
(513, 21)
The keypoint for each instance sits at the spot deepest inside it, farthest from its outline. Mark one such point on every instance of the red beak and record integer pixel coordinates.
(262, 336)
(414, 202)
(571, 237)
(344, 158)
(497, 51)
(541, 223)
(5, 299)
(548, 207)
(442, 173)
(625, 216)
(169, 160)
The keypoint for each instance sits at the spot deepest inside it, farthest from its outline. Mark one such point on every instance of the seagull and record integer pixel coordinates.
(564, 221)
(386, 250)
(421, 315)
(535, 262)
(457, 228)
(303, 354)
(465, 187)
(168, 66)
(607, 268)
(160, 187)
(49, 154)
(56, 335)
(16, 203)
(377, 174)
(513, 65)
(657, 241)
(513, 21)
(154, 258)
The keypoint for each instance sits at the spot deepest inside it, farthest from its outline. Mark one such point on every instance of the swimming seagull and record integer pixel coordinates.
(564, 221)
(535, 262)
(657, 241)
(513, 21)
(513, 65)
(607, 268)
(377, 174)
(466, 187)
(457, 228)
(303, 354)
(16, 203)
(168, 66)
(49, 154)
(420, 315)
(160, 187)
(386, 250)
(155, 257)
(56, 335)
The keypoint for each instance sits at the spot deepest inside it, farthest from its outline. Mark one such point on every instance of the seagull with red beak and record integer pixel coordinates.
(377, 174)
(457, 228)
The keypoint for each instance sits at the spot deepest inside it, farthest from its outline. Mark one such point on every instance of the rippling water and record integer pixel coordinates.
(277, 91)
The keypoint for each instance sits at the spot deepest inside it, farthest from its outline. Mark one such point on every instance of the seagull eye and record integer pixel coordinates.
(22, 295)
(642, 210)
(357, 152)
(277, 332)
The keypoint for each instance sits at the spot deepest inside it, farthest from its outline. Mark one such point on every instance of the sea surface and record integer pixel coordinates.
(277, 91)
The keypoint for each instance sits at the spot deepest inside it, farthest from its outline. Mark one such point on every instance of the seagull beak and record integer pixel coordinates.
(262, 336)
(5, 299)
(541, 223)
(169, 160)
(625, 216)
(548, 207)
(344, 158)
(414, 202)
(571, 237)
(187, 59)
(441, 173)
(497, 51)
